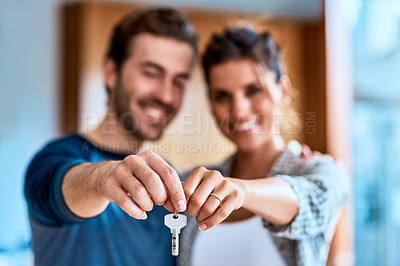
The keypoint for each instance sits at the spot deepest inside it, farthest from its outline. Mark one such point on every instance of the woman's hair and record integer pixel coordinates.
(245, 43)
(242, 43)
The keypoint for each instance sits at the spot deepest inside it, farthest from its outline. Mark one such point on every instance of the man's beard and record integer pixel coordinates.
(128, 120)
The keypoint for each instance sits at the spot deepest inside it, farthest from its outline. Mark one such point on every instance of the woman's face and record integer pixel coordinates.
(240, 95)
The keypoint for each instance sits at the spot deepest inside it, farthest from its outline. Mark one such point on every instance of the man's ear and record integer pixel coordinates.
(110, 75)
(286, 86)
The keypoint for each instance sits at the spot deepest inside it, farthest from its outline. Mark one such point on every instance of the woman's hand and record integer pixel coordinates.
(211, 196)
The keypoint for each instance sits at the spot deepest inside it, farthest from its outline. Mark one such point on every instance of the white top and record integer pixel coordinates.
(239, 243)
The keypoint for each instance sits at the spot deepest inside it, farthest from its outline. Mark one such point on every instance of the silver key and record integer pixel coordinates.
(175, 222)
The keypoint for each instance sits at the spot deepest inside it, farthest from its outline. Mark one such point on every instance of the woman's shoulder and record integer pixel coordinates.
(294, 161)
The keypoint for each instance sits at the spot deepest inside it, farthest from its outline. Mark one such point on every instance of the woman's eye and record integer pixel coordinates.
(253, 91)
(220, 97)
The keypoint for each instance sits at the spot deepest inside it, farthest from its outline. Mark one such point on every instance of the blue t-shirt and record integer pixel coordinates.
(112, 238)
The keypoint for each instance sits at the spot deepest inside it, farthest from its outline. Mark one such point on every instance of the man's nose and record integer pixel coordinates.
(165, 92)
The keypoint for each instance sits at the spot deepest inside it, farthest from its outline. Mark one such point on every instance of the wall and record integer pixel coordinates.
(28, 107)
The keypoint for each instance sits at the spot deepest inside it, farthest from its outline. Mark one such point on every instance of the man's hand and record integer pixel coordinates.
(307, 155)
(146, 177)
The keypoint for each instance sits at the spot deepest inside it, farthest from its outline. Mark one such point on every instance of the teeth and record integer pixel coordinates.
(249, 125)
(154, 114)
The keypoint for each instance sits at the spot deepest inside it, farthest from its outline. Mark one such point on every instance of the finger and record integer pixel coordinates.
(193, 180)
(316, 154)
(126, 204)
(228, 206)
(210, 206)
(168, 205)
(138, 168)
(306, 152)
(170, 179)
(340, 161)
(202, 192)
(136, 190)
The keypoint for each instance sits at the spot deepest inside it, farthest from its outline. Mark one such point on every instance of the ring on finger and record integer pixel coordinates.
(218, 198)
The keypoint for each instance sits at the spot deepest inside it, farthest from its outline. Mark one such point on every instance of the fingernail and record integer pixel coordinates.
(181, 205)
(143, 216)
(203, 227)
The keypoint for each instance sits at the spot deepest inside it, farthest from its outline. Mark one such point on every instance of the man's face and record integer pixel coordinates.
(150, 85)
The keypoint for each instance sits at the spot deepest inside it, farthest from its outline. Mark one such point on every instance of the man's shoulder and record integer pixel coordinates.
(72, 143)
(58, 152)
(71, 140)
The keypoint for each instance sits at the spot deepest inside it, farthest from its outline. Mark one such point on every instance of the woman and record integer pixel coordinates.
(285, 207)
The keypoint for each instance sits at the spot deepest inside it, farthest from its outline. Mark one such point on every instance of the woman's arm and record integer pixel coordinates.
(292, 206)
(214, 197)
(271, 198)
(321, 191)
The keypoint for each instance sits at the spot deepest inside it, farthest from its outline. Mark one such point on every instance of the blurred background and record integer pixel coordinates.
(342, 56)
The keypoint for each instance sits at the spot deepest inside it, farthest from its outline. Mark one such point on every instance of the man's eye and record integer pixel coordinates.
(150, 74)
(180, 84)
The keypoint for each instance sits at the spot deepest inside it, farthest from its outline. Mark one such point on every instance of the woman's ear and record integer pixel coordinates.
(286, 87)
(110, 74)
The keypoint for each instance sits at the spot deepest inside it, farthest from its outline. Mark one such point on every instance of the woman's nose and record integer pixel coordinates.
(240, 108)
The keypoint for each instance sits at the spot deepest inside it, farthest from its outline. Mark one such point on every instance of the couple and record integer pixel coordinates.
(98, 199)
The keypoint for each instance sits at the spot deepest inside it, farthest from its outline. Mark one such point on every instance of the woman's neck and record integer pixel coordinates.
(257, 163)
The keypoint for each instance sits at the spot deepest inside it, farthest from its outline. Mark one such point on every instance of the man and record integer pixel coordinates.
(91, 197)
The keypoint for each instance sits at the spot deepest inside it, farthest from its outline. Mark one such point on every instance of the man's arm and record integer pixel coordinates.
(61, 186)
(89, 187)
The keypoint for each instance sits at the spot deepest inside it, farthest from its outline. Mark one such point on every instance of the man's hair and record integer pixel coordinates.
(160, 21)
(242, 43)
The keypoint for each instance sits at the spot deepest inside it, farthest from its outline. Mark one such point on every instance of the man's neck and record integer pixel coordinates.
(110, 136)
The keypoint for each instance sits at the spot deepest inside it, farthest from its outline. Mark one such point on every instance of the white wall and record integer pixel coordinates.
(28, 104)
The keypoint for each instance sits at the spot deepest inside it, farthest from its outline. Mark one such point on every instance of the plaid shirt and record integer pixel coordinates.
(322, 188)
